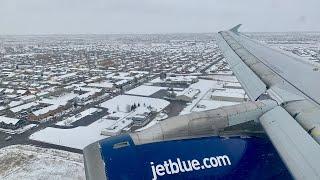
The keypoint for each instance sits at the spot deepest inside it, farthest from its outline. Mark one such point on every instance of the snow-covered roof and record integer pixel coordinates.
(145, 90)
(190, 92)
(14, 103)
(61, 100)
(9, 91)
(88, 89)
(239, 93)
(156, 80)
(182, 78)
(121, 82)
(46, 109)
(68, 75)
(12, 95)
(104, 84)
(123, 77)
(77, 117)
(42, 93)
(79, 84)
(25, 98)
(8, 120)
(24, 106)
(232, 84)
(140, 72)
(21, 91)
(117, 127)
(86, 95)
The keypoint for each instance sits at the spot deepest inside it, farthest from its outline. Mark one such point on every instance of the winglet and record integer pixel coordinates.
(235, 29)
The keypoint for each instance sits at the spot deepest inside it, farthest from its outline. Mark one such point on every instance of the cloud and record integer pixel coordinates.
(155, 16)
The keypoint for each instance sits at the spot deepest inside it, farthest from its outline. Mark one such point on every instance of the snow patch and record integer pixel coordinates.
(30, 162)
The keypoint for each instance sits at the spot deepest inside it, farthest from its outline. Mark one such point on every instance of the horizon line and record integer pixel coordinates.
(145, 33)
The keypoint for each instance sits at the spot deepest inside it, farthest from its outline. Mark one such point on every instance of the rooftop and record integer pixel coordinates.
(8, 120)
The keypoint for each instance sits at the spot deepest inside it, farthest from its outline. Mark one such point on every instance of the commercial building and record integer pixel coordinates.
(116, 128)
(187, 95)
(11, 123)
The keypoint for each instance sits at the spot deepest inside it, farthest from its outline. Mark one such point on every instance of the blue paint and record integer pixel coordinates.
(251, 158)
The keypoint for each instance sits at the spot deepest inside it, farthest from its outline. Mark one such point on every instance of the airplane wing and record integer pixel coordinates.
(293, 126)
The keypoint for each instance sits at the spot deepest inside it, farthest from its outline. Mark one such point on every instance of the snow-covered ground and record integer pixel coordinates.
(82, 136)
(35, 163)
(144, 90)
(78, 137)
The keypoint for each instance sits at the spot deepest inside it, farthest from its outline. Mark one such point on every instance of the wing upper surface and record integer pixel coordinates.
(297, 149)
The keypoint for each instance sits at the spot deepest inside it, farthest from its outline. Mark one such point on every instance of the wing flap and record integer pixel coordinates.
(299, 151)
(282, 96)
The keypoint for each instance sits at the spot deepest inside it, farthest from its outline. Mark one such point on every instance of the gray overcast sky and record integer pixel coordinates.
(155, 16)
